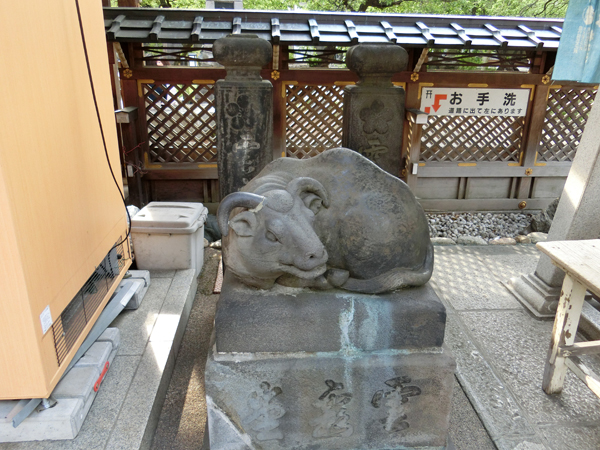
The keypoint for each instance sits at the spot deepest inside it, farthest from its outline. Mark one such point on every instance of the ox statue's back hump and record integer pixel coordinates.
(374, 231)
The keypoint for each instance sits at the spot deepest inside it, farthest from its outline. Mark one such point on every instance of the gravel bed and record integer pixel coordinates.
(488, 226)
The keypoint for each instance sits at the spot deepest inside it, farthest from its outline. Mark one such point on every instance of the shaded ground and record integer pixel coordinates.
(183, 417)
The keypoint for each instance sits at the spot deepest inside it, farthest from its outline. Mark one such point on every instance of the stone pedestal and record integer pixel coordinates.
(300, 369)
(374, 108)
(244, 110)
(576, 218)
(536, 295)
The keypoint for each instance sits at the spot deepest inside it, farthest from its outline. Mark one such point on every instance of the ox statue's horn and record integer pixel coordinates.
(306, 184)
(235, 200)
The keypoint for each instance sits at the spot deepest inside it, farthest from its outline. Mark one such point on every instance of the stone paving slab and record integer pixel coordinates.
(500, 354)
(466, 283)
(125, 411)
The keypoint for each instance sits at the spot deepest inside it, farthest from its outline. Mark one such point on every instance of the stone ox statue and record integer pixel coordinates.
(332, 221)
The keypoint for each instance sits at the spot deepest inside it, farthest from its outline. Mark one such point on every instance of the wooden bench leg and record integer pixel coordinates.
(563, 333)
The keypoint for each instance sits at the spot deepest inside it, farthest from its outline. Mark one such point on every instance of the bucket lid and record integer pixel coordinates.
(170, 215)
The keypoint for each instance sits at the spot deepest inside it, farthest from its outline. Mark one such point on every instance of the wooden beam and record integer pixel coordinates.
(115, 27)
(237, 25)
(275, 30)
(314, 30)
(491, 169)
(585, 374)
(352, 32)
(156, 26)
(580, 348)
(196, 28)
(531, 36)
(389, 31)
(497, 35)
(426, 34)
(462, 34)
(182, 173)
(483, 204)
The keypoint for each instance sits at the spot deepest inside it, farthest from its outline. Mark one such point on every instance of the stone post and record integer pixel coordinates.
(577, 217)
(244, 110)
(374, 107)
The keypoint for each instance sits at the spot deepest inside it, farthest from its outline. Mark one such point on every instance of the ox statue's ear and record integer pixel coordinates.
(312, 201)
(244, 224)
(312, 193)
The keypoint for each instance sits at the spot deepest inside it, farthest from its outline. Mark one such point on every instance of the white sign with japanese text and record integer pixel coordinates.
(474, 101)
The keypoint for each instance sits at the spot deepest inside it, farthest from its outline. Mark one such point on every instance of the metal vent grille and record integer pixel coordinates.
(69, 325)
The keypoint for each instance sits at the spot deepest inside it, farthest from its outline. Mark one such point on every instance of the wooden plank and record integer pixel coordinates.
(462, 187)
(494, 204)
(563, 333)
(580, 259)
(493, 80)
(186, 172)
(585, 374)
(438, 188)
(488, 188)
(178, 74)
(488, 169)
(214, 190)
(580, 348)
(548, 186)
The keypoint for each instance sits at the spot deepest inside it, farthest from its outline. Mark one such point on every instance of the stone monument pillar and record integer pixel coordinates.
(244, 110)
(577, 217)
(374, 107)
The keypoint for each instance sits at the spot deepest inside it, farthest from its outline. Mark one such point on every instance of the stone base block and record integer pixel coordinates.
(331, 400)
(141, 279)
(302, 320)
(537, 296)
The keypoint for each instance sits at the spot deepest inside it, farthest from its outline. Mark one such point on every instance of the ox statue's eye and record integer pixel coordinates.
(271, 237)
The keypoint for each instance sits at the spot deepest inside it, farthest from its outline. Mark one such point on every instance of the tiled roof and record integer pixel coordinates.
(331, 28)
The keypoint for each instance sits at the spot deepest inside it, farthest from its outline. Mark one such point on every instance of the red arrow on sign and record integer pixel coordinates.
(436, 103)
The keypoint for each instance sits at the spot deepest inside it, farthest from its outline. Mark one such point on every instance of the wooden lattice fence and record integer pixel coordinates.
(181, 123)
(470, 138)
(566, 116)
(313, 119)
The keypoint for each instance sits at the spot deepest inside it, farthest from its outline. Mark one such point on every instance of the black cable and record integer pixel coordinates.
(87, 61)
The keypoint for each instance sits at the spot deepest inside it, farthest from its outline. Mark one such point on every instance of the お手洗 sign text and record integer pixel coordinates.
(474, 102)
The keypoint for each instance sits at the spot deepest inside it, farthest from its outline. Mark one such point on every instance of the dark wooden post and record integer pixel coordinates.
(126, 117)
(374, 107)
(414, 132)
(244, 111)
(534, 137)
(279, 102)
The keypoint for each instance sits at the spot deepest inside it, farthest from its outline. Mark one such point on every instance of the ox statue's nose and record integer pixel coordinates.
(312, 258)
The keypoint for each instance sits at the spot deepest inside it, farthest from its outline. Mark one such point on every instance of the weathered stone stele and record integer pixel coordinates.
(244, 110)
(374, 107)
(292, 368)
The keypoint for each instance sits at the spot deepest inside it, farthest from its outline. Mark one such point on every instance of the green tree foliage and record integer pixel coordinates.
(514, 8)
